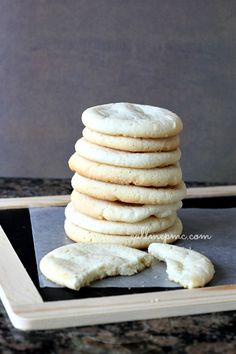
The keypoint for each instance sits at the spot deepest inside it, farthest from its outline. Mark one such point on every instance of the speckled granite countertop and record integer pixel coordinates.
(210, 333)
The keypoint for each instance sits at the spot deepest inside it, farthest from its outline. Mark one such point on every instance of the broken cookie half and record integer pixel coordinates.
(77, 265)
(186, 267)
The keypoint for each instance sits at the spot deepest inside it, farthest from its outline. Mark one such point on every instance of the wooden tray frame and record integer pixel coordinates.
(27, 310)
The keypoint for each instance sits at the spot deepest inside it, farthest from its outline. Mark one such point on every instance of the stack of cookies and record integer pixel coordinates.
(128, 183)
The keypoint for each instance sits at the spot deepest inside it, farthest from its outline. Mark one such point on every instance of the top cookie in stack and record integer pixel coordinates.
(128, 182)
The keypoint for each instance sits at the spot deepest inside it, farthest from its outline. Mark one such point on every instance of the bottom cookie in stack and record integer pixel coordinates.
(78, 234)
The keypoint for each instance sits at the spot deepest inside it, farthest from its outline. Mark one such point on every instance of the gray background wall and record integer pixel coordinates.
(58, 57)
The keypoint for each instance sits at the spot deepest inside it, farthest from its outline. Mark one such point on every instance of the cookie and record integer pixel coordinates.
(79, 234)
(154, 177)
(117, 211)
(128, 194)
(142, 160)
(78, 265)
(147, 226)
(134, 120)
(184, 266)
(131, 144)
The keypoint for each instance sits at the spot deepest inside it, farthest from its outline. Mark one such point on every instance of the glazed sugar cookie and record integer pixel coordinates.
(134, 120)
(77, 265)
(131, 144)
(79, 234)
(128, 194)
(125, 159)
(117, 211)
(184, 266)
(147, 226)
(156, 177)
